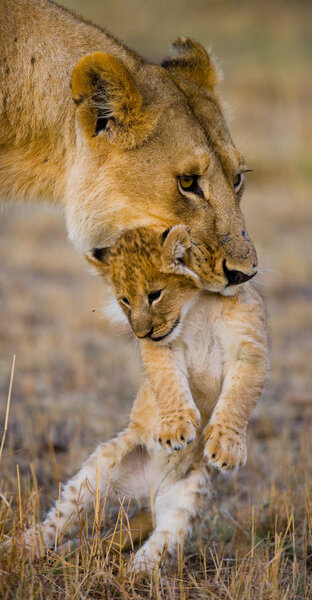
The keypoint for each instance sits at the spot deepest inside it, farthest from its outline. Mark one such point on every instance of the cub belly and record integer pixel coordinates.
(204, 360)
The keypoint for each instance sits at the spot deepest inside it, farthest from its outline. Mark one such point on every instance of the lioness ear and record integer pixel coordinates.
(191, 61)
(109, 102)
(175, 255)
(100, 259)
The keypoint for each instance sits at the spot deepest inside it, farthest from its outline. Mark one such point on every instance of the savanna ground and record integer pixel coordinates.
(76, 377)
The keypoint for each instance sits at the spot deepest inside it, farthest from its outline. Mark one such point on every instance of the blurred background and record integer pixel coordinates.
(75, 376)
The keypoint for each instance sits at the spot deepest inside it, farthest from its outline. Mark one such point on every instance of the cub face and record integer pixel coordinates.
(151, 279)
(155, 151)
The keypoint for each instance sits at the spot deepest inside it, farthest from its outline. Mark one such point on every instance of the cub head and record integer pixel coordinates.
(151, 279)
(153, 150)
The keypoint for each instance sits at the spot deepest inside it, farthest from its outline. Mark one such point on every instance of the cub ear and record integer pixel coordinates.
(190, 60)
(175, 254)
(109, 102)
(100, 259)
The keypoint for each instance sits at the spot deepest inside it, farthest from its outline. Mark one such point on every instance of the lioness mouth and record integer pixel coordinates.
(162, 337)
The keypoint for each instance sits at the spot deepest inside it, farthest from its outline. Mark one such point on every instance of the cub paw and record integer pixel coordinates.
(178, 429)
(31, 541)
(145, 560)
(37, 539)
(225, 447)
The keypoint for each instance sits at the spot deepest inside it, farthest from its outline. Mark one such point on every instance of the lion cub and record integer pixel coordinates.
(206, 364)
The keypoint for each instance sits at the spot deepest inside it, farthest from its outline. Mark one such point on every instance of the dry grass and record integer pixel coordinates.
(75, 378)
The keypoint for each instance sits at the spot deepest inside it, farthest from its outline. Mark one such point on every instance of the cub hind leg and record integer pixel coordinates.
(177, 512)
(79, 492)
(134, 531)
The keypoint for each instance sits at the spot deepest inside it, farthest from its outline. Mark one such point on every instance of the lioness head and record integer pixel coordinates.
(154, 150)
(151, 278)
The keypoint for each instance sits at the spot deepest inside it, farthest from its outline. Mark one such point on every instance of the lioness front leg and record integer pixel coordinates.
(178, 416)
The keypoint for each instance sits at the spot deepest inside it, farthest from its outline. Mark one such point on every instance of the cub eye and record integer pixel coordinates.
(125, 301)
(238, 181)
(154, 296)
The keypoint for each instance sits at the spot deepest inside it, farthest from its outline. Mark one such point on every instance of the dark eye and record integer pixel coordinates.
(154, 296)
(238, 181)
(125, 301)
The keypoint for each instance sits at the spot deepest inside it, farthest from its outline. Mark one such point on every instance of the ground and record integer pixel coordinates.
(76, 376)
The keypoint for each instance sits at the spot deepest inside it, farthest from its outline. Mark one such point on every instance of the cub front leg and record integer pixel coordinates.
(246, 364)
(177, 428)
(178, 416)
(225, 446)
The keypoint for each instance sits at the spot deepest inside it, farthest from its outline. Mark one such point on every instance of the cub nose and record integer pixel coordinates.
(236, 277)
(146, 335)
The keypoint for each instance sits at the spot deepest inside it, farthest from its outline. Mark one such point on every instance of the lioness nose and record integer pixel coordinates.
(236, 277)
(146, 335)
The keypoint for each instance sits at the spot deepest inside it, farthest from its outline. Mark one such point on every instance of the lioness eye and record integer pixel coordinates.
(189, 183)
(154, 296)
(238, 181)
(186, 181)
(125, 301)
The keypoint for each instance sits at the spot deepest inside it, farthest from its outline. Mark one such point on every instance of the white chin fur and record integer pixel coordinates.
(114, 313)
(231, 290)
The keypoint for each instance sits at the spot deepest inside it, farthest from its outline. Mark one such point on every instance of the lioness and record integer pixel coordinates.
(206, 363)
(87, 124)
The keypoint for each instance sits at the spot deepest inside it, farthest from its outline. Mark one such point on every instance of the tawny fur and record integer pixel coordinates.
(87, 124)
(203, 378)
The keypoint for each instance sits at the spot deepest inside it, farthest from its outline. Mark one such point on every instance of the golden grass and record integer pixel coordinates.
(76, 377)
(258, 549)
(7, 408)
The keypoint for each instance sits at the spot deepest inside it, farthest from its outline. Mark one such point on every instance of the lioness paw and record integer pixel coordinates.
(225, 447)
(178, 429)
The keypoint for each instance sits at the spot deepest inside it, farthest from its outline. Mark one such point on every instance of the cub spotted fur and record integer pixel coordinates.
(118, 142)
(206, 364)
